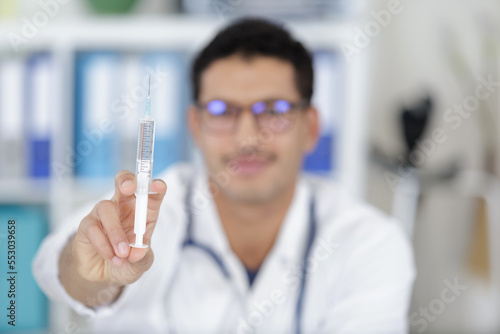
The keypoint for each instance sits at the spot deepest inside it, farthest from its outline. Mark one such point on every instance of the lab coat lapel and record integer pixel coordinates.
(202, 299)
(273, 298)
(209, 231)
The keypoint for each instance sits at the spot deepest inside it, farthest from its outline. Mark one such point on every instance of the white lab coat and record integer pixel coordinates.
(360, 270)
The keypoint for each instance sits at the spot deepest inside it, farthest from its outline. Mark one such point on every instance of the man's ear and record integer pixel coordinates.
(313, 129)
(193, 124)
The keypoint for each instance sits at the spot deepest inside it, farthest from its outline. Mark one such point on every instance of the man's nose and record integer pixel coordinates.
(247, 128)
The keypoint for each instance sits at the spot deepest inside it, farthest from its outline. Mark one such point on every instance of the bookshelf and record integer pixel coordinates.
(183, 34)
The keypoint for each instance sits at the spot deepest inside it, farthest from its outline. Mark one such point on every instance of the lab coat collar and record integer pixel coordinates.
(290, 243)
(207, 228)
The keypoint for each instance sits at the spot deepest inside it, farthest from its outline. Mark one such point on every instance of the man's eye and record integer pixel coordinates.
(281, 106)
(217, 107)
(259, 107)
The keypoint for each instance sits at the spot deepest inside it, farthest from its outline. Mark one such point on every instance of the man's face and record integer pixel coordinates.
(252, 164)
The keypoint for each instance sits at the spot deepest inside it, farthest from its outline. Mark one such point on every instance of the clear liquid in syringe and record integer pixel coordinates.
(146, 146)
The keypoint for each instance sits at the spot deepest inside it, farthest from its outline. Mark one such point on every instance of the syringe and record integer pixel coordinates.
(144, 171)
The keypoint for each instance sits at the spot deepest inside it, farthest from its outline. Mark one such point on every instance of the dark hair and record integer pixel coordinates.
(253, 37)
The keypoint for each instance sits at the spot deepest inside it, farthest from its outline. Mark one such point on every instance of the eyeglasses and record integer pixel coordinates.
(276, 115)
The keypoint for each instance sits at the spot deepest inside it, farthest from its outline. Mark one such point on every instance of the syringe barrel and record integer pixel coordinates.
(145, 149)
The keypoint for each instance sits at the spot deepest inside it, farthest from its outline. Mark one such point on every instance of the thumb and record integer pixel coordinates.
(141, 259)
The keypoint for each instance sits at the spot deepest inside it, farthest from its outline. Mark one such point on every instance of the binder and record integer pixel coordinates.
(329, 80)
(12, 143)
(95, 143)
(30, 304)
(168, 102)
(128, 112)
(39, 104)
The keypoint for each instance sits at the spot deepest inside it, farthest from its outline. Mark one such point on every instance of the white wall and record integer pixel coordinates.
(410, 57)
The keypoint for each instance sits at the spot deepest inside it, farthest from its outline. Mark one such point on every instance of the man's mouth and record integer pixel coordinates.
(250, 165)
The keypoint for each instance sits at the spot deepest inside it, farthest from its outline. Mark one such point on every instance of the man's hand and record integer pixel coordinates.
(99, 255)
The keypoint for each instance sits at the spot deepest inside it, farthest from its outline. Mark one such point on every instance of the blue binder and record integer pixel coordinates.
(329, 99)
(38, 102)
(95, 140)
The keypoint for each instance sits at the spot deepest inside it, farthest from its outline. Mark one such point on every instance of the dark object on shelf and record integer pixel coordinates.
(414, 120)
(112, 6)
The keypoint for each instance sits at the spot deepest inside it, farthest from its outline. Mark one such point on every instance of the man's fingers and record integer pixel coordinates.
(107, 214)
(124, 186)
(154, 204)
(93, 232)
(159, 187)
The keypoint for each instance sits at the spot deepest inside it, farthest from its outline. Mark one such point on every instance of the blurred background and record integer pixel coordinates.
(409, 95)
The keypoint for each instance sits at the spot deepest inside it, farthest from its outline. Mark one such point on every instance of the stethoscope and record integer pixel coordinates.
(190, 242)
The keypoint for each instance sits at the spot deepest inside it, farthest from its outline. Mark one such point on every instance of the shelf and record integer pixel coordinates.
(33, 191)
(25, 191)
(185, 32)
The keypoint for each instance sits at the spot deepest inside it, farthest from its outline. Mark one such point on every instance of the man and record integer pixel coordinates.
(248, 244)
